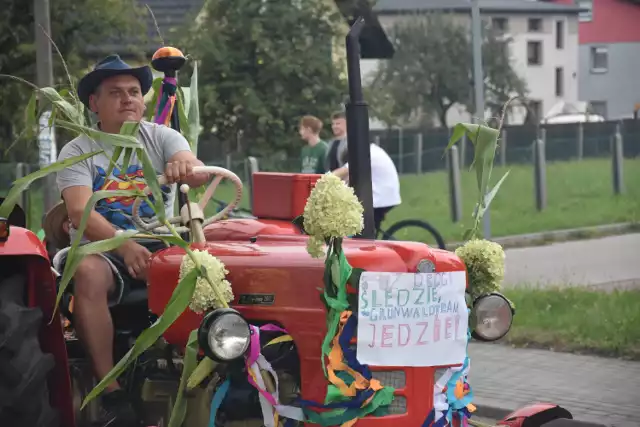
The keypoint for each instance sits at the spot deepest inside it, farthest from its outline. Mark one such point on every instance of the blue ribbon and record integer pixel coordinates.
(216, 401)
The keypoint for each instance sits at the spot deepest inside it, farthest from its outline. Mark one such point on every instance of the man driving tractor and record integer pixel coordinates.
(114, 91)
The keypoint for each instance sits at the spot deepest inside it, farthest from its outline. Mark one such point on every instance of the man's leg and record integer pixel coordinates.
(93, 280)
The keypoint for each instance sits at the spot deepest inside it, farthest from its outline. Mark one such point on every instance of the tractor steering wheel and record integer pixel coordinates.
(159, 228)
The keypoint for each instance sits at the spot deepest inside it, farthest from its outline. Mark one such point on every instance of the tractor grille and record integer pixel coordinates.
(395, 379)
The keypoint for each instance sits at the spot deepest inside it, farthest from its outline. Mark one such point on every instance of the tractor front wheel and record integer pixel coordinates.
(24, 393)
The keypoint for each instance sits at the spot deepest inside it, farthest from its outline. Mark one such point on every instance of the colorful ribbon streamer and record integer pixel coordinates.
(166, 101)
(452, 396)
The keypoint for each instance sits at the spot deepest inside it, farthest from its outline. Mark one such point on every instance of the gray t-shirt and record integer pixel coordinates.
(160, 143)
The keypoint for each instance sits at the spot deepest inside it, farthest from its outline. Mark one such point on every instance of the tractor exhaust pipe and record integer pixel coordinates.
(358, 131)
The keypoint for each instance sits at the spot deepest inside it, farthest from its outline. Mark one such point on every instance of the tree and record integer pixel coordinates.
(262, 65)
(432, 70)
(76, 26)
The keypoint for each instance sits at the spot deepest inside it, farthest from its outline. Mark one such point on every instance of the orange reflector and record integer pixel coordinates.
(4, 230)
(166, 52)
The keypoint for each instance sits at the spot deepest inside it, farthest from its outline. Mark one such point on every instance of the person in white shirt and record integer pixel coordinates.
(385, 182)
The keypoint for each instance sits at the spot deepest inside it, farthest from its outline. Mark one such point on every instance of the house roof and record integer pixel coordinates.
(384, 7)
(373, 40)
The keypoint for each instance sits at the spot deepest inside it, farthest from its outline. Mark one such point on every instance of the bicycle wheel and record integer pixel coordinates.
(393, 232)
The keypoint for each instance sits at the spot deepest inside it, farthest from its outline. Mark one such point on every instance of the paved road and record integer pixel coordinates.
(593, 389)
(583, 262)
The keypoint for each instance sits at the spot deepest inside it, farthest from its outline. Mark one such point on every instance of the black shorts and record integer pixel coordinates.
(124, 282)
(379, 214)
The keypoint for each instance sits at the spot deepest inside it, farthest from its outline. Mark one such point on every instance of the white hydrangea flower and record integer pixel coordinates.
(332, 210)
(204, 297)
(485, 265)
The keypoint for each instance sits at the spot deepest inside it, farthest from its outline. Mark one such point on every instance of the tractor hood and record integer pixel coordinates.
(271, 273)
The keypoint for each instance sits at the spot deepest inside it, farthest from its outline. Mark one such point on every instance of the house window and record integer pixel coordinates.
(534, 53)
(559, 34)
(535, 25)
(599, 108)
(500, 24)
(587, 14)
(599, 59)
(559, 81)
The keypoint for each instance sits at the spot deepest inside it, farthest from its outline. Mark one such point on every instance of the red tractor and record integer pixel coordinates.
(44, 374)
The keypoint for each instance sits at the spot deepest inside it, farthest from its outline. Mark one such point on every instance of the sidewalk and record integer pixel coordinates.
(595, 390)
(595, 262)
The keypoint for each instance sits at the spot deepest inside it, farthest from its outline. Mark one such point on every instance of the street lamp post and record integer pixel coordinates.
(44, 67)
(478, 82)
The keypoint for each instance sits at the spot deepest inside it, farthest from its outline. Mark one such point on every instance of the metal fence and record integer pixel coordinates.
(418, 151)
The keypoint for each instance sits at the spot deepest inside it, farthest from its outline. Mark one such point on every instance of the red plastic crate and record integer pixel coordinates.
(281, 195)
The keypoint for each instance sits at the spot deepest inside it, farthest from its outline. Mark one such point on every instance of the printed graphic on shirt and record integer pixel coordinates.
(119, 209)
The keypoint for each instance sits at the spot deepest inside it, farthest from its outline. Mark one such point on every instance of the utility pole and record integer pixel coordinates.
(44, 65)
(478, 82)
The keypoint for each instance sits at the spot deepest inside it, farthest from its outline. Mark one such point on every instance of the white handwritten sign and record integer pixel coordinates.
(407, 319)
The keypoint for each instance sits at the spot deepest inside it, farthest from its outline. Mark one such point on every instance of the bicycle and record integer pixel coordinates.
(387, 234)
(395, 229)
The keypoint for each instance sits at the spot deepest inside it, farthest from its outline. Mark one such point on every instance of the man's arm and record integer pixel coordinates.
(179, 158)
(342, 172)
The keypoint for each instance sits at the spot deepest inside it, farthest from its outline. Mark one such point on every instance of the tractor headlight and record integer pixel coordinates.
(224, 335)
(491, 317)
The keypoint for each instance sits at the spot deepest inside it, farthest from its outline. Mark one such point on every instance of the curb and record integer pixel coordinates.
(496, 413)
(548, 237)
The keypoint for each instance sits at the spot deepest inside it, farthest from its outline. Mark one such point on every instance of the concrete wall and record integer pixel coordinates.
(618, 85)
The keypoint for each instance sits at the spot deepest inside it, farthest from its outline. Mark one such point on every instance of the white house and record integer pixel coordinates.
(544, 50)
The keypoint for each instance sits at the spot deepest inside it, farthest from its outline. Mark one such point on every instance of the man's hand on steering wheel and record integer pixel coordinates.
(178, 171)
(179, 168)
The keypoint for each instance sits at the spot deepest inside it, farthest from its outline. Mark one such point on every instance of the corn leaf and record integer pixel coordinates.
(92, 248)
(202, 371)
(190, 359)
(151, 107)
(74, 255)
(152, 181)
(114, 139)
(70, 111)
(182, 116)
(23, 183)
(127, 129)
(194, 110)
(175, 307)
(491, 194)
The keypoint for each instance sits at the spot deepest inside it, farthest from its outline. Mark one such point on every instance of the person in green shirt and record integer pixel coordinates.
(315, 152)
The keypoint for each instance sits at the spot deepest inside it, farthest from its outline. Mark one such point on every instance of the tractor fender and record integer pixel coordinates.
(23, 242)
(31, 256)
(535, 415)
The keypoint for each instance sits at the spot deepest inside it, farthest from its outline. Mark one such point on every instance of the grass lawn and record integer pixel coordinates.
(577, 320)
(579, 194)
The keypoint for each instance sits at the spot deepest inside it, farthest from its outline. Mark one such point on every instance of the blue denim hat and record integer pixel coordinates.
(111, 66)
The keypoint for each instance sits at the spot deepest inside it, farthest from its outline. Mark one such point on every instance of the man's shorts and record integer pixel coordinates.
(124, 282)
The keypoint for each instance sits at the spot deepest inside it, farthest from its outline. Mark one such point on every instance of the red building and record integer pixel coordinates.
(609, 55)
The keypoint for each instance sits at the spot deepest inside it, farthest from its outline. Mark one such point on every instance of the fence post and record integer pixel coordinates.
(419, 153)
(376, 140)
(618, 159)
(250, 167)
(503, 148)
(580, 141)
(22, 170)
(455, 196)
(400, 151)
(540, 170)
(228, 162)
